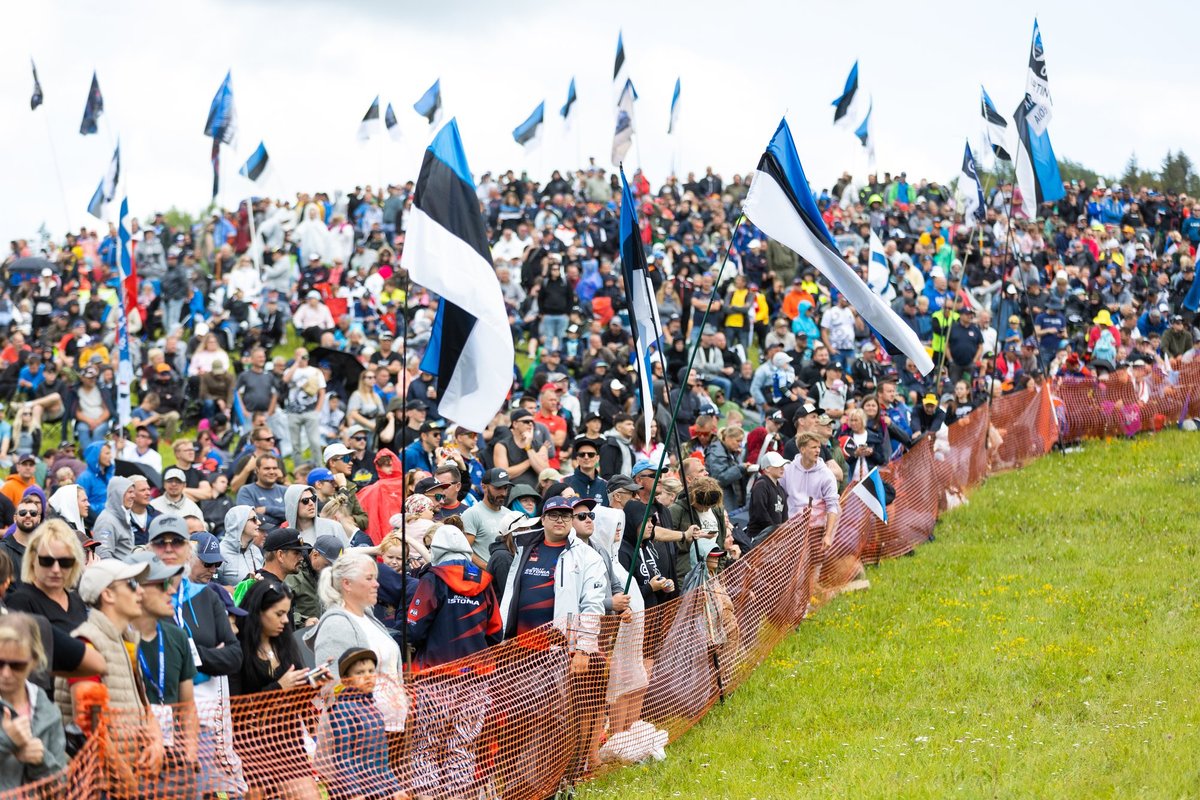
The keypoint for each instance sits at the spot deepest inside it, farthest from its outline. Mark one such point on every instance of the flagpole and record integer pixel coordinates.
(637, 548)
(62, 192)
(402, 329)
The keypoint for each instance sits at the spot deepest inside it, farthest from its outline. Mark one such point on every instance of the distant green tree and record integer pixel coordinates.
(180, 219)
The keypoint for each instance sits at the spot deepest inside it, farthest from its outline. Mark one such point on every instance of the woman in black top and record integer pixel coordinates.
(50, 570)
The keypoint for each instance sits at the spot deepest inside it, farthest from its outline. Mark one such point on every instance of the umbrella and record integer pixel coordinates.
(32, 264)
(345, 366)
(129, 469)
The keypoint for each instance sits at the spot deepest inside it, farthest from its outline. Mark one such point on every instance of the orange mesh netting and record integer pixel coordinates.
(517, 723)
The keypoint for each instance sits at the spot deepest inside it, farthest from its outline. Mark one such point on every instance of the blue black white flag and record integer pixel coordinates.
(619, 62)
(125, 269)
(370, 121)
(866, 134)
(995, 127)
(446, 250)
(528, 132)
(107, 190)
(569, 106)
(781, 205)
(392, 125)
(1037, 168)
(623, 134)
(36, 98)
(872, 494)
(973, 206)
(847, 109)
(674, 123)
(257, 165)
(1036, 84)
(222, 116)
(92, 109)
(430, 104)
(643, 307)
(879, 270)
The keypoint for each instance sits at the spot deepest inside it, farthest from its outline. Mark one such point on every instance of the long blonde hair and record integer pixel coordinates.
(59, 532)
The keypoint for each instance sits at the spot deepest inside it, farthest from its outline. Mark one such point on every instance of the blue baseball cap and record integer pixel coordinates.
(641, 466)
(558, 503)
(319, 474)
(208, 549)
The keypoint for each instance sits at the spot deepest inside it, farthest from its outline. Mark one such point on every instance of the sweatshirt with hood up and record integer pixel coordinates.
(95, 479)
(321, 526)
(112, 528)
(238, 562)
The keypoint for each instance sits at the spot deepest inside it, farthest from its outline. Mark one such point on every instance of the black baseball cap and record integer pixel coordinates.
(497, 477)
(284, 539)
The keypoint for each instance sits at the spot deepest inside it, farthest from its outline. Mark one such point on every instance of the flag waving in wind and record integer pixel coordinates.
(879, 270)
(674, 123)
(370, 121)
(92, 109)
(866, 134)
(623, 135)
(392, 125)
(470, 348)
(107, 189)
(1036, 166)
(973, 209)
(565, 111)
(127, 298)
(221, 125)
(430, 104)
(847, 109)
(528, 132)
(36, 98)
(643, 308)
(619, 63)
(995, 127)
(870, 490)
(780, 203)
(1036, 84)
(257, 165)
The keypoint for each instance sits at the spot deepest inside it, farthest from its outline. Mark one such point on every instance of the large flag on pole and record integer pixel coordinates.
(370, 121)
(847, 109)
(872, 494)
(107, 190)
(1036, 85)
(36, 98)
(528, 133)
(879, 270)
(866, 135)
(569, 106)
(623, 134)
(392, 125)
(973, 207)
(257, 165)
(674, 122)
(995, 127)
(430, 104)
(92, 109)
(470, 348)
(1037, 168)
(221, 125)
(125, 267)
(781, 205)
(643, 307)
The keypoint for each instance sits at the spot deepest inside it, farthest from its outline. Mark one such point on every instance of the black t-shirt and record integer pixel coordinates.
(392, 360)
(32, 600)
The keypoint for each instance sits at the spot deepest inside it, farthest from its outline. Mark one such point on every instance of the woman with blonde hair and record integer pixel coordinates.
(204, 357)
(365, 407)
(50, 571)
(32, 740)
(723, 458)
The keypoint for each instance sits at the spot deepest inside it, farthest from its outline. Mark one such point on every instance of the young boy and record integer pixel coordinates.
(352, 752)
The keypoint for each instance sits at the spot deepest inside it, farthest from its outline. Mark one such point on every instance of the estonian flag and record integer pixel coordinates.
(222, 116)
(866, 133)
(847, 110)
(392, 125)
(870, 490)
(973, 209)
(107, 189)
(780, 203)
(528, 132)
(879, 270)
(370, 121)
(1035, 164)
(257, 164)
(127, 293)
(430, 104)
(623, 134)
(674, 110)
(36, 98)
(1036, 85)
(619, 63)
(643, 307)
(569, 106)
(471, 347)
(995, 127)
(92, 109)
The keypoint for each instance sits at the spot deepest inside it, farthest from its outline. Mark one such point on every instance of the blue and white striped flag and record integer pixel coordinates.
(528, 133)
(879, 271)
(569, 106)
(674, 123)
(125, 367)
(258, 165)
(430, 104)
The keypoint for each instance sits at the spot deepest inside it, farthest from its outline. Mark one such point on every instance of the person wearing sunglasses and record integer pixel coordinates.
(50, 571)
(300, 501)
(30, 510)
(339, 463)
(421, 454)
(31, 726)
(586, 480)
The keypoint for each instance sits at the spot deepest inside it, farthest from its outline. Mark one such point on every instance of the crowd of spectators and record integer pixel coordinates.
(288, 506)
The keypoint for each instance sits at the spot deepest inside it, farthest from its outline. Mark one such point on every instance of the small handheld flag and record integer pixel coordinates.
(871, 492)
(879, 271)
(430, 104)
(527, 133)
(370, 121)
(36, 98)
(127, 304)
(92, 109)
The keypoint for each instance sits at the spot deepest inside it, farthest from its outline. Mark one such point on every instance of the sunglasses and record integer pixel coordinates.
(171, 543)
(131, 583)
(358, 438)
(585, 455)
(308, 498)
(266, 438)
(585, 515)
(66, 562)
(347, 459)
(29, 513)
(15, 666)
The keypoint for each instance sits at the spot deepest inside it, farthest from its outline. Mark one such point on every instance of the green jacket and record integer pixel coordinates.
(305, 604)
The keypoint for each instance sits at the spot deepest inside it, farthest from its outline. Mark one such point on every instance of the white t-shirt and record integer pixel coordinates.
(484, 524)
(840, 324)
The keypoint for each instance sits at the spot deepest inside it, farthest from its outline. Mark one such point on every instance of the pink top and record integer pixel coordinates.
(817, 484)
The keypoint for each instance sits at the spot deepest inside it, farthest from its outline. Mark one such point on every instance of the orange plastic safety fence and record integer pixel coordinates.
(517, 722)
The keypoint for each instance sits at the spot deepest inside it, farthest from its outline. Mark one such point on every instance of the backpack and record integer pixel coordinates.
(1106, 347)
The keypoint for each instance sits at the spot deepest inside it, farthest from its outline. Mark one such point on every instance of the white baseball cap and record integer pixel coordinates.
(773, 459)
(104, 573)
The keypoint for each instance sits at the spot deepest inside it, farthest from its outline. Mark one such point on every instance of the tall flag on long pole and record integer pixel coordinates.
(872, 494)
(569, 106)
(1036, 84)
(221, 125)
(995, 127)
(528, 133)
(847, 108)
(370, 121)
(446, 251)
(879, 270)
(258, 165)
(1036, 166)
(780, 203)
(430, 104)
(866, 134)
(36, 98)
(973, 208)
(107, 190)
(93, 108)
(392, 125)
(674, 122)
(125, 266)
(619, 62)
(643, 308)
(624, 131)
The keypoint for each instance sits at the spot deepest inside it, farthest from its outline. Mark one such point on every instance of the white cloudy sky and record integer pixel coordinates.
(306, 70)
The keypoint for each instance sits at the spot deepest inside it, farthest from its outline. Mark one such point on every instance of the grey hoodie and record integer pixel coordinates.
(238, 563)
(321, 526)
(112, 529)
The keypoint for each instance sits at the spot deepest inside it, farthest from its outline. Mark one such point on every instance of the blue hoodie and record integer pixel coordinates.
(95, 480)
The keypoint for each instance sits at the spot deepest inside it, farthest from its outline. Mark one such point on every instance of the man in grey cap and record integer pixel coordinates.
(306, 604)
(173, 500)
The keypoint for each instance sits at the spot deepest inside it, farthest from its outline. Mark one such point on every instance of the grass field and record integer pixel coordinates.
(1045, 645)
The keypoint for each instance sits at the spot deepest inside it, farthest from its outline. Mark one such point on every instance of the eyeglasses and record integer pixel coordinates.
(29, 513)
(66, 562)
(15, 666)
(558, 515)
(585, 515)
(308, 498)
(171, 543)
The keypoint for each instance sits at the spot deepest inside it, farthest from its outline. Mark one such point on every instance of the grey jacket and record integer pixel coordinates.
(335, 633)
(47, 725)
(112, 529)
(238, 562)
(321, 526)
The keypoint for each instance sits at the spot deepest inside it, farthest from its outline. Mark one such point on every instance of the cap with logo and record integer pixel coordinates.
(559, 503)
(208, 548)
(328, 546)
(167, 525)
(283, 539)
(319, 474)
(158, 571)
(175, 474)
(497, 477)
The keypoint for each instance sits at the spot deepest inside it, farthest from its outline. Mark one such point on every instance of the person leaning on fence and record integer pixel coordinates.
(454, 614)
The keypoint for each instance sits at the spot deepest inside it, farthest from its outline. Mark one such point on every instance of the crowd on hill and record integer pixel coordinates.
(287, 505)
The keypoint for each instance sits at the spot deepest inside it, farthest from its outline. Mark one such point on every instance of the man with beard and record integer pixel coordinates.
(483, 521)
(30, 512)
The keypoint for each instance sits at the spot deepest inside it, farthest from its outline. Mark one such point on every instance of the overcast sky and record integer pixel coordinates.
(304, 73)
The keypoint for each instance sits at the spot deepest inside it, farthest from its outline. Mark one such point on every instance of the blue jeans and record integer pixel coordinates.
(720, 381)
(554, 328)
(845, 358)
(172, 309)
(86, 435)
